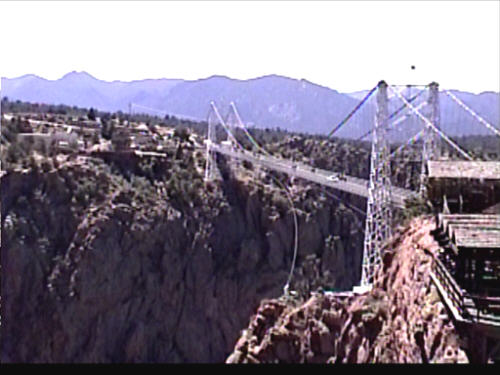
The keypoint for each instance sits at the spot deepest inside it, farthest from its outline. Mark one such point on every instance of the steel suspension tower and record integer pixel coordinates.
(211, 121)
(431, 149)
(232, 121)
(378, 215)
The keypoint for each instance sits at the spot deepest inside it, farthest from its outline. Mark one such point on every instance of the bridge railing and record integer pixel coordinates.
(487, 308)
(477, 309)
(350, 184)
(451, 288)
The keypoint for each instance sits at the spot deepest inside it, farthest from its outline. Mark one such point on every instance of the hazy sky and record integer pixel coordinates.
(346, 46)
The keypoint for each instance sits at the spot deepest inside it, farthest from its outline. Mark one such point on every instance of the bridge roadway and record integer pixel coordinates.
(351, 185)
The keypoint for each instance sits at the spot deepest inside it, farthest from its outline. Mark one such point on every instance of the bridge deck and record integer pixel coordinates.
(350, 184)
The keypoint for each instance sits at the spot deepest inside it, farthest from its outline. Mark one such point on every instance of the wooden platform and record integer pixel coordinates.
(444, 220)
(469, 187)
(470, 237)
(486, 170)
(483, 312)
(485, 237)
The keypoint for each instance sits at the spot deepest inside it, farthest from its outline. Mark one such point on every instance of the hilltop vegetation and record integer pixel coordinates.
(139, 259)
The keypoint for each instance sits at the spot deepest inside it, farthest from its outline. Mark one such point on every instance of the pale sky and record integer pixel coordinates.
(347, 46)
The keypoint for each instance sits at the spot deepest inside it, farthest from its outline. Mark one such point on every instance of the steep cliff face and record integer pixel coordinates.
(98, 267)
(402, 319)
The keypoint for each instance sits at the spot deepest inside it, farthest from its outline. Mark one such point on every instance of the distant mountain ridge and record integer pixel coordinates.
(268, 101)
(82, 89)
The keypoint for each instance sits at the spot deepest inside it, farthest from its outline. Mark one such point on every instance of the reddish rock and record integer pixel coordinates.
(398, 321)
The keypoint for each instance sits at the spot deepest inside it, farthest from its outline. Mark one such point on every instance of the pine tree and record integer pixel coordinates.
(91, 114)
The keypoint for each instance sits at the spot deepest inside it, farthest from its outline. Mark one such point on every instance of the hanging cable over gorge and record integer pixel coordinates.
(360, 104)
(394, 114)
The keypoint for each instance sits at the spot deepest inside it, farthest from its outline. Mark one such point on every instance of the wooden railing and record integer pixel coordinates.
(487, 308)
(477, 309)
(451, 288)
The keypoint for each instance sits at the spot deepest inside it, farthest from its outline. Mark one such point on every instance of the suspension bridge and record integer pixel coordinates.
(391, 111)
(349, 184)
(476, 317)
(382, 196)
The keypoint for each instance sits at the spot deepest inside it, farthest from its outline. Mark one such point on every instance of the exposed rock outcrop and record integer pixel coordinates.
(101, 268)
(402, 319)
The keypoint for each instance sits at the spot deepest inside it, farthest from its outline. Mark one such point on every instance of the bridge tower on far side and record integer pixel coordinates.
(211, 121)
(232, 122)
(431, 149)
(378, 213)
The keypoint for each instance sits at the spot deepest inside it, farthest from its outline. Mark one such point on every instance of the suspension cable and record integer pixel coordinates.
(296, 237)
(404, 106)
(148, 108)
(352, 112)
(216, 111)
(404, 117)
(324, 190)
(409, 142)
(471, 112)
(181, 117)
(354, 208)
(242, 126)
(432, 126)
(394, 123)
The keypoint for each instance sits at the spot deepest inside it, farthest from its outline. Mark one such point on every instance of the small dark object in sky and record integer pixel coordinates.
(413, 67)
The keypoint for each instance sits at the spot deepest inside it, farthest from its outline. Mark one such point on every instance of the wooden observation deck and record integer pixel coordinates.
(468, 187)
(466, 272)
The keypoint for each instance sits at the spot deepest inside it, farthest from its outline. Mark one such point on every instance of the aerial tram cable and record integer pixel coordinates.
(285, 189)
(255, 143)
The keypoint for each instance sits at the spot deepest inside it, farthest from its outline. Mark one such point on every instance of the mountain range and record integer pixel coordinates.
(268, 101)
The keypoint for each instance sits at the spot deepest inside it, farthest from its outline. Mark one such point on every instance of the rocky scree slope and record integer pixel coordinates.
(103, 265)
(402, 320)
